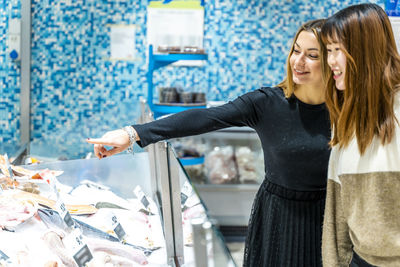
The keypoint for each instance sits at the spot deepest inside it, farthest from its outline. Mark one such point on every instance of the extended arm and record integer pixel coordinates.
(240, 112)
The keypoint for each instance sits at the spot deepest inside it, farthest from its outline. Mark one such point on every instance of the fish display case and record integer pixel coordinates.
(124, 210)
(15, 152)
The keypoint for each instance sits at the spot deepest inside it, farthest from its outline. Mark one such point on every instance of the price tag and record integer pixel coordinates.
(3, 256)
(120, 232)
(186, 192)
(142, 197)
(64, 213)
(77, 247)
(150, 207)
(116, 226)
(60, 206)
(10, 172)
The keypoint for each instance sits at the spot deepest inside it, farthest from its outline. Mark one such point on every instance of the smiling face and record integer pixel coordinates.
(337, 63)
(305, 60)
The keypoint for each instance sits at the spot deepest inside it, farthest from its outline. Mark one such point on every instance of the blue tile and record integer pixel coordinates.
(76, 93)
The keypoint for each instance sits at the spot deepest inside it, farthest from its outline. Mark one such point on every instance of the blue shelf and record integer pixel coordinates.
(164, 109)
(161, 60)
(191, 161)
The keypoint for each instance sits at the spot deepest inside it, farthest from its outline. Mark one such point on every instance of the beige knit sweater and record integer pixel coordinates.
(362, 210)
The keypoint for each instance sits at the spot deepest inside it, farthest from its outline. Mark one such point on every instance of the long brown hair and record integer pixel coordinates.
(372, 77)
(313, 26)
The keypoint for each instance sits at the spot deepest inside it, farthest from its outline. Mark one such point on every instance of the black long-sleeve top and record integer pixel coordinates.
(294, 135)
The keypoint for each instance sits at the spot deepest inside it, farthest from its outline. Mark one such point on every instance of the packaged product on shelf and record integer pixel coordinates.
(220, 166)
(186, 97)
(188, 148)
(193, 50)
(246, 161)
(199, 97)
(168, 95)
(176, 95)
(260, 168)
(196, 173)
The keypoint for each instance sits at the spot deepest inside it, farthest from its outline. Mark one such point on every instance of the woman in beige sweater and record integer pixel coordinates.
(362, 214)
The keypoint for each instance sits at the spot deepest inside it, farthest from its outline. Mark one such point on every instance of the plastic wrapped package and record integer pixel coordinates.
(260, 168)
(188, 147)
(246, 163)
(220, 166)
(196, 173)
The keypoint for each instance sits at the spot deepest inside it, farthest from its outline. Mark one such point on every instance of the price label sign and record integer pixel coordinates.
(8, 166)
(3, 256)
(83, 256)
(64, 213)
(142, 197)
(77, 247)
(116, 226)
(186, 192)
(60, 206)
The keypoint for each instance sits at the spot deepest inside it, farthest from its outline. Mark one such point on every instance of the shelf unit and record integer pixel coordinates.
(191, 161)
(229, 204)
(157, 61)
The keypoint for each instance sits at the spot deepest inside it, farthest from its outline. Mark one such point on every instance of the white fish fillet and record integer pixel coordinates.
(55, 244)
(117, 249)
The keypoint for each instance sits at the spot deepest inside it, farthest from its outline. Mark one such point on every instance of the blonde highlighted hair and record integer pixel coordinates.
(313, 26)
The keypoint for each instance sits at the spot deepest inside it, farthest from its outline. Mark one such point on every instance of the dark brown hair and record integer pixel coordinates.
(372, 77)
(313, 26)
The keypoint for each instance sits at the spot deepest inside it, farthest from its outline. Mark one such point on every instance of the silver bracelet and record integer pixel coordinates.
(132, 137)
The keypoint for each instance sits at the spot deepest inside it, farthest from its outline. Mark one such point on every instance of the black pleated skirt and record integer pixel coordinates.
(285, 228)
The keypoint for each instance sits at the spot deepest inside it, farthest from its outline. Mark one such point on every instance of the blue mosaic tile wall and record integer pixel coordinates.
(9, 78)
(78, 93)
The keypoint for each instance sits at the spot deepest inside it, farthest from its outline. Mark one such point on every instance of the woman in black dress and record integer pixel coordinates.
(292, 123)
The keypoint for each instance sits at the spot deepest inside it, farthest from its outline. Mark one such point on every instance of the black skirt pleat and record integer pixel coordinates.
(285, 228)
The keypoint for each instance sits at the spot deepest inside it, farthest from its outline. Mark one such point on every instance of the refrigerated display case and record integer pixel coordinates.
(171, 238)
(15, 152)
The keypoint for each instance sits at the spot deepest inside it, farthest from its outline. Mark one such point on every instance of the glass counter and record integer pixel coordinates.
(116, 178)
(15, 152)
(120, 172)
(209, 248)
(163, 180)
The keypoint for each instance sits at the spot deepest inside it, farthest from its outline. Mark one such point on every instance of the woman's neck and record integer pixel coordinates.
(309, 94)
